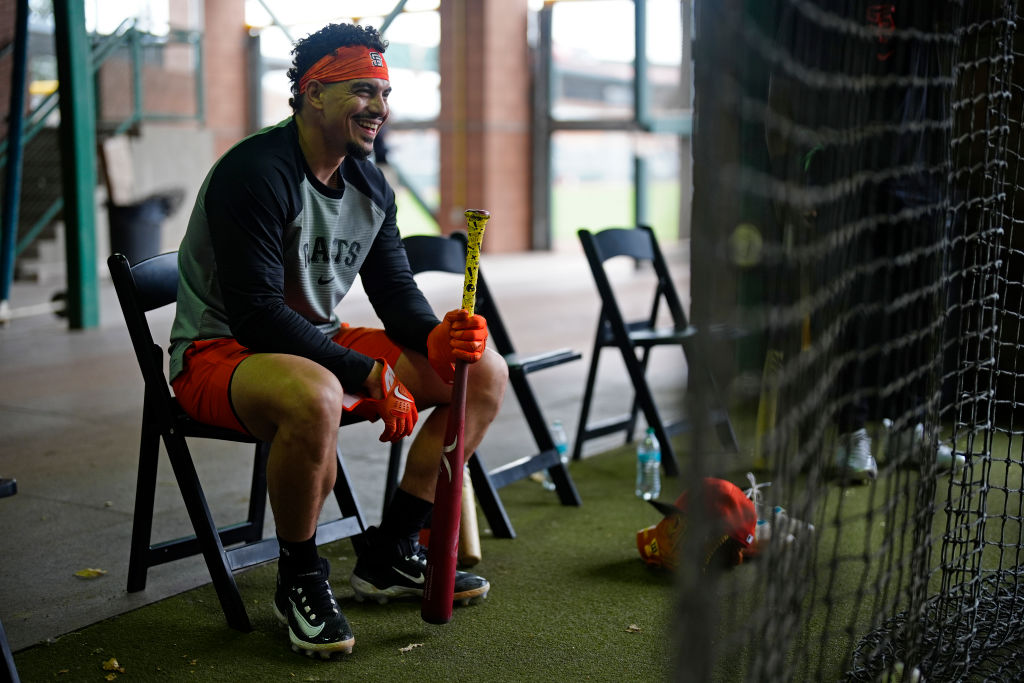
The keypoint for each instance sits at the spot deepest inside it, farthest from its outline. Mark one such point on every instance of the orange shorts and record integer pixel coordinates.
(203, 388)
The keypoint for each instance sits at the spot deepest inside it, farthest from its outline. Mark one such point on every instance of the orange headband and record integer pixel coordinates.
(344, 64)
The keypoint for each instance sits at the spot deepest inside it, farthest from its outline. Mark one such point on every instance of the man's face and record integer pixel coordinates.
(353, 113)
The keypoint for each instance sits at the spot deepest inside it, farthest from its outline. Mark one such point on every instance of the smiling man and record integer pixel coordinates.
(283, 224)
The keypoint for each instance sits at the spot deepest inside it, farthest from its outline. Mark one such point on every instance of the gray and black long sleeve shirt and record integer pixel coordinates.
(270, 251)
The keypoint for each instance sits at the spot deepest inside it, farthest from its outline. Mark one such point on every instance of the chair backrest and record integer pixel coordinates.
(144, 287)
(430, 253)
(641, 244)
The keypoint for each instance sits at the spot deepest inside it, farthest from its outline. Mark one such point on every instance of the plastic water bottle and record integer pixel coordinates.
(648, 467)
(561, 440)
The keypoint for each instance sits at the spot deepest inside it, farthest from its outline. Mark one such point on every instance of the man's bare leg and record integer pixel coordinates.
(391, 563)
(295, 405)
(485, 393)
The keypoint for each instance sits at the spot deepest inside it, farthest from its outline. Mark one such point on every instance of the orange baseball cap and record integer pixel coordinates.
(730, 513)
(728, 508)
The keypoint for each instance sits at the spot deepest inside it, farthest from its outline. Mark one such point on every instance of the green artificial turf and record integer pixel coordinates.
(570, 600)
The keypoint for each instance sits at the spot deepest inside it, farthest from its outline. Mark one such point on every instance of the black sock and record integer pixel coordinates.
(298, 557)
(405, 516)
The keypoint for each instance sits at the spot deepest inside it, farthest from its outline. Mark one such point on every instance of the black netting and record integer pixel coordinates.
(860, 284)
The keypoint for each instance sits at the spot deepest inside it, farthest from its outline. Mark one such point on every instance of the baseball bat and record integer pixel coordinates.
(442, 555)
(469, 529)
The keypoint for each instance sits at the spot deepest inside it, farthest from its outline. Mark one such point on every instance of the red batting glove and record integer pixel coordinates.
(460, 336)
(397, 408)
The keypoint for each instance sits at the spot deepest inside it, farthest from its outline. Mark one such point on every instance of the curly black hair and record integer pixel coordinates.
(310, 49)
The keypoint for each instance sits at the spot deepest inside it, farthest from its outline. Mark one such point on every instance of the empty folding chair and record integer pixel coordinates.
(141, 288)
(635, 337)
(441, 254)
(8, 487)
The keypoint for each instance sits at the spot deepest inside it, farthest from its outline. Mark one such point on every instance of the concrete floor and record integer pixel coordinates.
(70, 409)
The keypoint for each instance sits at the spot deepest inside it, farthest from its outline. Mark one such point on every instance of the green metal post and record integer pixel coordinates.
(12, 179)
(542, 228)
(641, 196)
(392, 16)
(135, 46)
(78, 161)
(641, 83)
(197, 40)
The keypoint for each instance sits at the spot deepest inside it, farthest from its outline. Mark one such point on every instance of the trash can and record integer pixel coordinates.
(135, 229)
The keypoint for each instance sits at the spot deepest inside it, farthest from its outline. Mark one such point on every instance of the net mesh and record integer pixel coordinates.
(856, 215)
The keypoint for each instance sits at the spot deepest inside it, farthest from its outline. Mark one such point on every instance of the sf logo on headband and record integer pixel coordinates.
(376, 59)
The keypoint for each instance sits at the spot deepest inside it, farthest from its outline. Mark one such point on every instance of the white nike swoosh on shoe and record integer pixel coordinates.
(304, 626)
(415, 579)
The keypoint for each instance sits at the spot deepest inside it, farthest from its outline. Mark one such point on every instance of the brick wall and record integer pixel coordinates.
(484, 121)
(224, 48)
(164, 91)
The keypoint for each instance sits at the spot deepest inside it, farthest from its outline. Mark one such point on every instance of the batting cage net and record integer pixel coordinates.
(858, 276)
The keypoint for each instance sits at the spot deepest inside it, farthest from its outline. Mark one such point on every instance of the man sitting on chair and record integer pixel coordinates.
(282, 225)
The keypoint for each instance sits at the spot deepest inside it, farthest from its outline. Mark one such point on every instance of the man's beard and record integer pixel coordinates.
(357, 151)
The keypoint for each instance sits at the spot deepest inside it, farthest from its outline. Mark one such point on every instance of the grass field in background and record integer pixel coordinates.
(590, 205)
(603, 205)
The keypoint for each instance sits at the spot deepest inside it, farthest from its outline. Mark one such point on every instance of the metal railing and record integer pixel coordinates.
(104, 48)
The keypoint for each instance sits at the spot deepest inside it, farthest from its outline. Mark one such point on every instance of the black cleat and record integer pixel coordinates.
(385, 571)
(307, 606)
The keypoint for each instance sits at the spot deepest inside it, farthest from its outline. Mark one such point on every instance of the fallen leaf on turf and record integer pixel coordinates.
(633, 628)
(410, 646)
(90, 573)
(113, 665)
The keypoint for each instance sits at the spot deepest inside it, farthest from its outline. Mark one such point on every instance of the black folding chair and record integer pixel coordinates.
(8, 487)
(9, 671)
(148, 285)
(632, 336)
(448, 255)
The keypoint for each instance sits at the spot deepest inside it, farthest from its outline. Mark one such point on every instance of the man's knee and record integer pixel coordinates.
(312, 401)
(488, 378)
(323, 399)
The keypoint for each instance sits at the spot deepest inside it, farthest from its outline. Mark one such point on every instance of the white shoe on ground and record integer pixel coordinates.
(853, 460)
(905, 440)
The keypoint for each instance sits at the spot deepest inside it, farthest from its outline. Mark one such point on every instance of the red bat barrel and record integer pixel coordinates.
(442, 555)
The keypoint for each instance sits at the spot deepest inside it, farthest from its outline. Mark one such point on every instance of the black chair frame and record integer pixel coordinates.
(141, 288)
(9, 672)
(448, 255)
(633, 336)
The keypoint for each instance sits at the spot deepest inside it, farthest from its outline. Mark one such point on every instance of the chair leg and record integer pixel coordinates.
(145, 495)
(723, 423)
(391, 479)
(635, 409)
(206, 532)
(258, 494)
(490, 502)
(564, 485)
(567, 493)
(343, 493)
(726, 434)
(650, 410)
(588, 395)
(9, 672)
